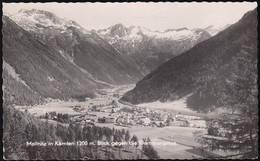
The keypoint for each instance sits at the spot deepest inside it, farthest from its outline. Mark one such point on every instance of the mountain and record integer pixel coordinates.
(16, 90)
(36, 69)
(83, 48)
(206, 72)
(214, 30)
(149, 48)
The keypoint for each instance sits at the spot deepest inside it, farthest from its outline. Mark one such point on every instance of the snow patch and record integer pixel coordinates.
(174, 35)
(50, 79)
(110, 77)
(135, 34)
(35, 21)
(117, 50)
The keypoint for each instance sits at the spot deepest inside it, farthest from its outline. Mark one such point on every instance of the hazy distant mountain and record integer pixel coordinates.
(149, 48)
(206, 71)
(213, 30)
(82, 48)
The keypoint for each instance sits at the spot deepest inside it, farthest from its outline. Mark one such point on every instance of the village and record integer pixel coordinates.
(105, 110)
(125, 115)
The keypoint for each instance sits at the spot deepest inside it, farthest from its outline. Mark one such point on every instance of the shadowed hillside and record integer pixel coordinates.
(84, 49)
(206, 70)
(42, 68)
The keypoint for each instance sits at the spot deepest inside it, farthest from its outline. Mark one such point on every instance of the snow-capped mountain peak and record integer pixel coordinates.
(144, 44)
(36, 20)
(137, 33)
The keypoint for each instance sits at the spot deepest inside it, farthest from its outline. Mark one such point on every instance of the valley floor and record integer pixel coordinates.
(171, 142)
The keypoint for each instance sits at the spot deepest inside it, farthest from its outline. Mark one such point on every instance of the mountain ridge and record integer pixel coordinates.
(36, 64)
(202, 70)
(83, 48)
(149, 49)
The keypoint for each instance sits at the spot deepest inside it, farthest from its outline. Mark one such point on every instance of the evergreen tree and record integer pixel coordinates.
(236, 130)
(135, 140)
(127, 136)
(148, 149)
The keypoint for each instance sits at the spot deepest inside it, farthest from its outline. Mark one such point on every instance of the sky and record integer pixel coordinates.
(155, 16)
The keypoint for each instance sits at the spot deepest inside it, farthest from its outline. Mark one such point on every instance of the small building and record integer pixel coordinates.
(162, 124)
(189, 117)
(147, 110)
(116, 95)
(101, 120)
(91, 114)
(96, 108)
(90, 124)
(178, 123)
(109, 119)
(119, 119)
(163, 117)
(145, 121)
(198, 123)
(114, 104)
(132, 122)
(158, 123)
(126, 119)
(106, 120)
(123, 119)
(113, 110)
(54, 117)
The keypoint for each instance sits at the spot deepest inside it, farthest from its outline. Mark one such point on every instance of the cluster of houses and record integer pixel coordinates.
(50, 115)
(155, 118)
(132, 116)
(87, 119)
(78, 108)
(144, 117)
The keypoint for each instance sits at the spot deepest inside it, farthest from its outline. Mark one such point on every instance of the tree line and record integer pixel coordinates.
(20, 128)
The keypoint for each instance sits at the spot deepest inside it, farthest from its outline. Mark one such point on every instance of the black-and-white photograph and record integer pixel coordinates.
(128, 81)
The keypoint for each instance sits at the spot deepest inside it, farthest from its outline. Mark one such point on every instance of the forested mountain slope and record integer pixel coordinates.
(17, 92)
(84, 49)
(43, 69)
(206, 71)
